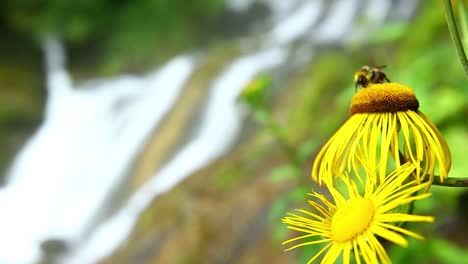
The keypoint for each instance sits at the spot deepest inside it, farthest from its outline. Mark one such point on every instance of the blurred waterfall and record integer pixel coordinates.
(62, 178)
(61, 181)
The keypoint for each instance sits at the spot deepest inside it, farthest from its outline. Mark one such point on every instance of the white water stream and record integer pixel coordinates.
(62, 179)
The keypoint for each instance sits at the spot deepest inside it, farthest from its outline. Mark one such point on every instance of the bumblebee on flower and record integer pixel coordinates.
(384, 155)
(385, 129)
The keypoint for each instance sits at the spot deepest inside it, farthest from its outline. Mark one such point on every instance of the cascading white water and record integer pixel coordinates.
(57, 186)
(296, 24)
(337, 24)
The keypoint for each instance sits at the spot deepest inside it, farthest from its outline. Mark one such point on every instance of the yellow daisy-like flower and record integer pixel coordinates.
(385, 130)
(352, 223)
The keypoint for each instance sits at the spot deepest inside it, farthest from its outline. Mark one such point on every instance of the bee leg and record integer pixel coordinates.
(387, 79)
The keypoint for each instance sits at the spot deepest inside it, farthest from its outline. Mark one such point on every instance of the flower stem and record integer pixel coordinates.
(263, 116)
(455, 34)
(451, 182)
(448, 182)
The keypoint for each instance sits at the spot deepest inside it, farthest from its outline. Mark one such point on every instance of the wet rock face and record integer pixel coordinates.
(22, 94)
(52, 250)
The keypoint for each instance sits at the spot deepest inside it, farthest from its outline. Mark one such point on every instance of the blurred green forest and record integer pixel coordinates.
(109, 32)
(111, 36)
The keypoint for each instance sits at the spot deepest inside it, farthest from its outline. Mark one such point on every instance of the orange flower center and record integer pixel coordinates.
(384, 97)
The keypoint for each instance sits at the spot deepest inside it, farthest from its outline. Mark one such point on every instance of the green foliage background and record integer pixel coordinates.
(124, 34)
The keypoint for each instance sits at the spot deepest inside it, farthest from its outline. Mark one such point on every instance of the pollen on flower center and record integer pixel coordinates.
(352, 219)
(384, 97)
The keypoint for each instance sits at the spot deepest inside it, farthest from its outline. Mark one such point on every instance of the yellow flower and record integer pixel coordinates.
(351, 223)
(385, 130)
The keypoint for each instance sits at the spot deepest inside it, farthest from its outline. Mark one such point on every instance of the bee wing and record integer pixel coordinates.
(365, 68)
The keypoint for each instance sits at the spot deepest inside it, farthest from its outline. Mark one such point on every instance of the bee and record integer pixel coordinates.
(368, 74)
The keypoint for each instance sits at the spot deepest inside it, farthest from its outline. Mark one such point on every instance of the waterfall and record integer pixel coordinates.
(57, 186)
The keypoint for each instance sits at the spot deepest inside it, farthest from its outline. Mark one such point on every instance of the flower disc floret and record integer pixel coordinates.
(352, 219)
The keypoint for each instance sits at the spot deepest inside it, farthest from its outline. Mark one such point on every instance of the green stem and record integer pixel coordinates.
(455, 34)
(279, 134)
(411, 205)
(448, 182)
(451, 182)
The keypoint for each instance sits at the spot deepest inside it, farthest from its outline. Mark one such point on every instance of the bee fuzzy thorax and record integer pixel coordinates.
(384, 97)
(369, 75)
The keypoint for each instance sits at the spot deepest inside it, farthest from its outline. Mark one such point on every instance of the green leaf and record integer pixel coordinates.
(284, 172)
(447, 252)
(389, 33)
(306, 149)
(262, 116)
